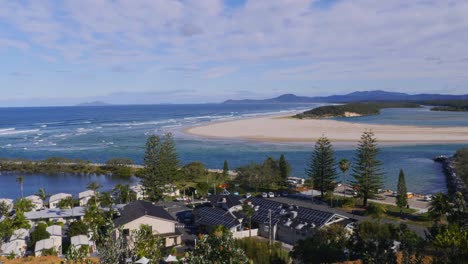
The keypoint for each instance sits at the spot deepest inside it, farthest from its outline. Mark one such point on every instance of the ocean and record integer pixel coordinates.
(100, 133)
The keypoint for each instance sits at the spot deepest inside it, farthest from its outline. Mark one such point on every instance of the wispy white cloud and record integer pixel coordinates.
(292, 40)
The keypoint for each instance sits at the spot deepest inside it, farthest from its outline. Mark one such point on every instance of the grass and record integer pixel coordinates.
(409, 215)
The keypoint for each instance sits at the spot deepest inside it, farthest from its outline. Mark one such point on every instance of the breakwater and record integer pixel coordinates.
(454, 183)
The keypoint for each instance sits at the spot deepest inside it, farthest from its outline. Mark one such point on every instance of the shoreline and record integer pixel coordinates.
(283, 129)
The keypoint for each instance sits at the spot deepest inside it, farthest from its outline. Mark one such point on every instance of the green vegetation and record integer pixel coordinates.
(39, 233)
(257, 250)
(367, 172)
(23, 205)
(119, 167)
(218, 247)
(161, 165)
(147, 244)
(322, 166)
(264, 176)
(461, 164)
(225, 168)
(361, 109)
(78, 228)
(448, 105)
(284, 168)
(327, 245)
(402, 198)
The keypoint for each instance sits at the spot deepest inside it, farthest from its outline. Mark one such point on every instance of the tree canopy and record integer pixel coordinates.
(367, 171)
(322, 168)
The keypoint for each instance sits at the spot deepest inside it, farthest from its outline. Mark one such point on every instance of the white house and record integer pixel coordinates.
(56, 215)
(139, 191)
(17, 243)
(55, 232)
(138, 213)
(8, 202)
(44, 244)
(85, 196)
(37, 202)
(82, 240)
(56, 198)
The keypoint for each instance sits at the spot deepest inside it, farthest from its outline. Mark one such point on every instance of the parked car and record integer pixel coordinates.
(264, 195)
(271, 195)
(248, 195)
(284, 193)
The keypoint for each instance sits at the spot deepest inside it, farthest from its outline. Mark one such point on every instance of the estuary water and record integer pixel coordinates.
(100, 133)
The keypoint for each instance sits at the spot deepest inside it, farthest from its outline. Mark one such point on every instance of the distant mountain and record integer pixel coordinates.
(95, 103)
(359, 96)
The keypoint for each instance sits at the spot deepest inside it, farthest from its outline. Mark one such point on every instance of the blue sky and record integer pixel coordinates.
(197, 51)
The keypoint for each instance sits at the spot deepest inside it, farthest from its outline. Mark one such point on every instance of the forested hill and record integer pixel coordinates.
(359, 96)
(352, 109)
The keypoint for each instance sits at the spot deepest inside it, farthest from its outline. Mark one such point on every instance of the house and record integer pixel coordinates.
(82, 240)
(223, 209)
(171, 190)
(56, 198)
(37, 202)
(17, 244)
(8, 203)
(139, 191)
(55, 232)
(138, 213)
(289, 223)
(56, 215)
(206, 218)
(44, 244)
(85, 196)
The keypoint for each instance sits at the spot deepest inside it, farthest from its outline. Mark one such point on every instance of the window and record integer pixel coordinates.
(126, 232)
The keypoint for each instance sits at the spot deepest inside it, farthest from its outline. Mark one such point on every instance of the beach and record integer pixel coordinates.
(287, 129)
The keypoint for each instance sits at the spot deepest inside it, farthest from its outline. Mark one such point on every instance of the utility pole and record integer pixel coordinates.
(269, 228)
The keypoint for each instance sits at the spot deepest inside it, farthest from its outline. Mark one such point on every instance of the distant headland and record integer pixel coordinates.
(358, 96)
(94, 103)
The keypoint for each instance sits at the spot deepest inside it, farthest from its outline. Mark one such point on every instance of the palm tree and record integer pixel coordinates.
(67, 202)
(94, 186)
(344, 165)
(440, 206)
(42, 194)
(20, 180)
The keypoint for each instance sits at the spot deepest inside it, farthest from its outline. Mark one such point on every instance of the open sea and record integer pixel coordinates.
(100, 133)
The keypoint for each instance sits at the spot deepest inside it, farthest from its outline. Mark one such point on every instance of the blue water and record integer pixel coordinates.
(100, 133)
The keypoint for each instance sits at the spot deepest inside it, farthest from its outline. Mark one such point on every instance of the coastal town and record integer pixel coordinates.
(233, 132)
(70, 226)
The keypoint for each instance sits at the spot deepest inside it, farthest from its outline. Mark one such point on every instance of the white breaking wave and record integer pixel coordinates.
(146, 123)
(13, 131)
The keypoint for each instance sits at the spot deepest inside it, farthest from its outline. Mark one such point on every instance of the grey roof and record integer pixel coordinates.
(44, 244)
(55, 213)
(79, 240)
(281, 212)
(229, 200)
(54, 230)
(213, 216)
(137, 209)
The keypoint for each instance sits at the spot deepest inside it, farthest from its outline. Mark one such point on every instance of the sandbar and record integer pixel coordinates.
(287, 129)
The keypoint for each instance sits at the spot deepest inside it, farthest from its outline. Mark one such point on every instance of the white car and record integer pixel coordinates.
(248, 195)
(264, 195)
(271, 195)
